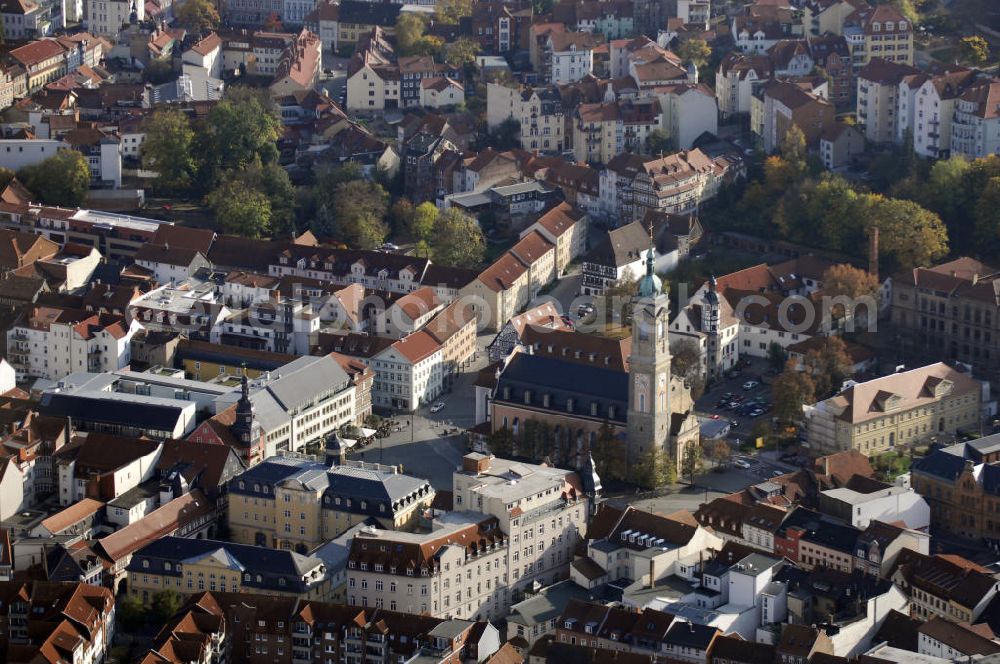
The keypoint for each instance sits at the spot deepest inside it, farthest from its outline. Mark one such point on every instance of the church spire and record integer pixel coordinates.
(650, 286)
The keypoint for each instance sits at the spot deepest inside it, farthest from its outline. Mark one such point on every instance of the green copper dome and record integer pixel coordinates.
(650, 285)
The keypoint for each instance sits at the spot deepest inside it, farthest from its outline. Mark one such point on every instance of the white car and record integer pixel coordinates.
(750, 384)
(437, 407)
(741, 463)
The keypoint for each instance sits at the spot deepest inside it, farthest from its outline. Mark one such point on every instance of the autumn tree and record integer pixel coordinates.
(411, 37)
(62, 179)
(909, 235)
(457, 240)
(653, 469)
(451, 11)
(685, 357)
(845, 280)
(792, 389)
(718, 451)
(461, 52)
(659, 142)
(423, 223)
(776, 356)
(829, 366)
(695, 51)
(974, 49)
(241, 210)
(400, 217)
(197, 15)
(617, 299)
(794, 150)
(360, 208)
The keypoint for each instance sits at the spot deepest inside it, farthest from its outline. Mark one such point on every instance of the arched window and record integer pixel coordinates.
(642, 403)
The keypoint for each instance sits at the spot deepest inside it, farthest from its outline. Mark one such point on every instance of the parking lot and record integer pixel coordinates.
(730, 399)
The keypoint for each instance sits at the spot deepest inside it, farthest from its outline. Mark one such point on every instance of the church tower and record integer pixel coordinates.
(649, 413)
(245, 426)
(710, 321)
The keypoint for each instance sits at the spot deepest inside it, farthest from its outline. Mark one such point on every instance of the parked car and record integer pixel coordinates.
(750, 384)
(741, 463)
(437, 407)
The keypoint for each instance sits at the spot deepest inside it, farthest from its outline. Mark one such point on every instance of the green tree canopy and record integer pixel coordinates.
(168, 149)
(695, 51)
(792, 389)
(909, 235)
(62, 179)
(197, 15)
(239, 129)
(271, 180)
(461, 52)
(241, 210)
(974, 49)
(658, 142)
(457, 241)
(166, 603)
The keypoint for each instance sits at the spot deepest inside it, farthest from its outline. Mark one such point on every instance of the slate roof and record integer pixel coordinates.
(272, 565)
(564, 381)
(382, 14)
(117, 408)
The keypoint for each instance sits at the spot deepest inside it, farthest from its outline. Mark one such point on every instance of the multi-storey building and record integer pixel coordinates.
(897, 410)
(975, 126)
(949, 310)
(736, 79)
(56, 621)
(831, 54)
(960, 483)
(879, 83)
(539, 112)
(947, 586)
(603, 131)
(191, 565)
(784, 104)
(932, 106)
(408, 374)
(521, 526)
(878, 31)
(106, 18)
(53, 342)
(297, 504)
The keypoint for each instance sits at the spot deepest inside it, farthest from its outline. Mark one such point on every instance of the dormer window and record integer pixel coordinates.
(876, 27)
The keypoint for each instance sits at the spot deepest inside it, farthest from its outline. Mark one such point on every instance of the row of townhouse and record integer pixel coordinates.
(872, 30)
(258, 626)
(542, 254)
(951, 110)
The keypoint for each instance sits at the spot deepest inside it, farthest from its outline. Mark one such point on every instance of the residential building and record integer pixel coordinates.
(944, 638)
(566, 228)
(434, 572)
(283, 325)
(784, 105)
(875, 501)
(170, 265)
(791, 58)
(357, 18)
(455, 329)
(57, 621)
(513, 335)
(830, 52)
(879, 84)
(44, 61)
(933, 106)
(107, 18)
(947, 586)
(24, 20)
(690, 110)
(537, 616)
(975, 126)
(506, 286)
(958, 483)
(103, 467)
(295, 504)
(949, 308)
(604, 130)
(190, 565)
(899, 409)
(828, 16)
(736, 80)
(878, 31)
(538, 111)
(839, 144)
(52, 342)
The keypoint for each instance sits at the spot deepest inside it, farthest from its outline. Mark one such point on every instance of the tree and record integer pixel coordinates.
(462, 52)
(943, 191)
(450, 11)
(167, 149)
(273, 23)
(165, 604)
(457, 240)
(197, 15)
(909, 235)
(410, 27)
(792, 389)
(718, 451)
(501, 442)
(793, 148)
(62, 179)
(987, 211)
(241, 210)
(617, 299)
(845, 280)
(131, 614)
(271, 180)
(401, 217)
(608, 453)
(158, 71)
(974, 49)
(685, 357)
(691, 462)
(776, 356)
(653, 469)
(359, 210)
(659, 142)
(239, 129)
(828, 366)
(695, 51)
(506, 135)
(425, 218)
